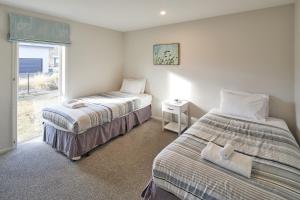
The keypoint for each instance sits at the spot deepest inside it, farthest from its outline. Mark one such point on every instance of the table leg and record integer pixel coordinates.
(189, 116)
(179, 123)
(162, 121)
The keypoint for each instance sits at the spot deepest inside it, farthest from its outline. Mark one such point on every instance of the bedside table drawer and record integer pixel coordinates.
(170, 109)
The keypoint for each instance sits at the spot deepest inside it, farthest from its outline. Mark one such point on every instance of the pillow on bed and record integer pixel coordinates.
(248, 105)
(133, 86)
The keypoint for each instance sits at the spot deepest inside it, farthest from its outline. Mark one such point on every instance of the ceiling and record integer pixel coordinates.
(128, 15)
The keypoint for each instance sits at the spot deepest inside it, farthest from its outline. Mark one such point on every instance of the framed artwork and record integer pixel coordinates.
(166, 54)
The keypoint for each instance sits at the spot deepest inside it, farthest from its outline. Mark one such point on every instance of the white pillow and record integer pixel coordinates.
(248, 105)
(133, 86)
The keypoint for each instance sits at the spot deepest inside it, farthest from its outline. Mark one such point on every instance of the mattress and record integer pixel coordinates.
(180, 170)
(99, 109)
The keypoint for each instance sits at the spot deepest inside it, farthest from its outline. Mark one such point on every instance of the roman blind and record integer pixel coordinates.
(33, 29)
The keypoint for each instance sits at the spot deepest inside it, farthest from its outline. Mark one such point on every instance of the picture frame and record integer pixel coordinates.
(166, 54)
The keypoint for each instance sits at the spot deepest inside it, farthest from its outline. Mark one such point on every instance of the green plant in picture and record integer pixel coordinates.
(166, 54)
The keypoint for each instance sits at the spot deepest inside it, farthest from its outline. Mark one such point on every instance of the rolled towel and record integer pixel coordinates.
(226, 152)
(239, 163)
(73, 104)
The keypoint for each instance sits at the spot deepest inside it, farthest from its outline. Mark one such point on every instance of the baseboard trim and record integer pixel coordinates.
(2, 151)
(156, 117)
(193, 119)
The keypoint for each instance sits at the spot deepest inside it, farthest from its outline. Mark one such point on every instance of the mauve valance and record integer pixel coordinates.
(33, 29)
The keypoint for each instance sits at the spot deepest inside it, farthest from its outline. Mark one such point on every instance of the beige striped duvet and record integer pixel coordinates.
(180, 170)
(99, 109)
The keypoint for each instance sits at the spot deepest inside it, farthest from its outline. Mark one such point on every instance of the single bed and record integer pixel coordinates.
(75, 132)
(179, 172)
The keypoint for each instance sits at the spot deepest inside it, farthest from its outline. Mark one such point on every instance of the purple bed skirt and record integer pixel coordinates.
(75, 145)
(153, 192)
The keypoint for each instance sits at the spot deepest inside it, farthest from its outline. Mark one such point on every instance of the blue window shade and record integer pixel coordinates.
(32, 29)
(30, 65)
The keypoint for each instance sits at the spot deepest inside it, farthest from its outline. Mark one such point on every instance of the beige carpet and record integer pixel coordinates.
(119, 169)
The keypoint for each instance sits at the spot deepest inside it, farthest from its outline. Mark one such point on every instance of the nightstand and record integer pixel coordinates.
(178, 109)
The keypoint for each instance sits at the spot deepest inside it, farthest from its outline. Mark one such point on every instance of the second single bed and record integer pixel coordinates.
(75, 132)
(180, 172)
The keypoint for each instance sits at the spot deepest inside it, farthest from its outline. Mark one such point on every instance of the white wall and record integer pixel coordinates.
(95, 60)
(251, 51)
(297, 64)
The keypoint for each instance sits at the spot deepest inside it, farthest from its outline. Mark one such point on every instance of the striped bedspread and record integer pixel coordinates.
(99, 109)
(180, 170)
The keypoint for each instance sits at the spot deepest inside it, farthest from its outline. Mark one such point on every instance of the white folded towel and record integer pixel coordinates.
(239, 163)
(73, 104)
(227, 151)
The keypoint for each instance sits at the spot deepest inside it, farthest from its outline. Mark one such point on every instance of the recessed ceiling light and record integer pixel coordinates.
(163, 12)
